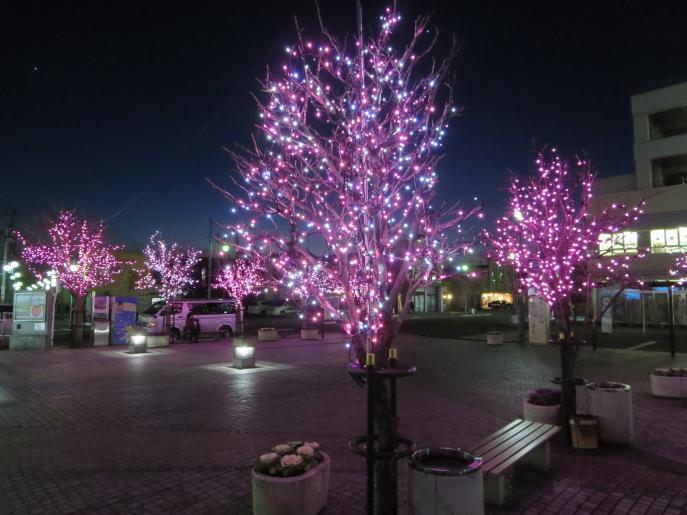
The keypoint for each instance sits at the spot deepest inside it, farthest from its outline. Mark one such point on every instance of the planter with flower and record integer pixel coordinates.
(292, 479)
(669, 382)
(543, 405)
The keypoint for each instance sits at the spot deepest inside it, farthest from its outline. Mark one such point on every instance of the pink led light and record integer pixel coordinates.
(168, 268)
(76, 252)
(347, 161)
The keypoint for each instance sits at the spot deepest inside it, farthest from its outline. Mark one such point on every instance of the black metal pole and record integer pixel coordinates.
(369, 456)
(672, 321)
(393, 354)
(521, 318)
(392, 382)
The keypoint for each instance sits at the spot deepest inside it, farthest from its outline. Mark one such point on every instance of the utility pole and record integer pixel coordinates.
(212, 241)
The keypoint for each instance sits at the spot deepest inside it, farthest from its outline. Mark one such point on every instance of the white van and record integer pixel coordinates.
(215, 316)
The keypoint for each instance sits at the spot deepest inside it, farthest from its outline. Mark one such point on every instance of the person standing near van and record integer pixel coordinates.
(192, 328)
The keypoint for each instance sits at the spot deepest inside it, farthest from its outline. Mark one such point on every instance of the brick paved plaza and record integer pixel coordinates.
(176, 430)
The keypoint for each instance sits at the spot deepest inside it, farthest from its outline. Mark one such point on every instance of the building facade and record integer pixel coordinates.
(659, 120)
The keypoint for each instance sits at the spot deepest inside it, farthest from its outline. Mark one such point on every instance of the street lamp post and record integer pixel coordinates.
(8, 268)
(520, 305)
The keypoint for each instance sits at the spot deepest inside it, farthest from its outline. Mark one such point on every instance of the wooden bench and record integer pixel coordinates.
(521, 440)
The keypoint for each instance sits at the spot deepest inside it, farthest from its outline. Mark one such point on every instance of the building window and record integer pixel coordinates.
(669, 240)
(620, 243)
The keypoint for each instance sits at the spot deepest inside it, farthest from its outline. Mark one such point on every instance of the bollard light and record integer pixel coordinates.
(138, 339)
(244, 356)
(137, 342)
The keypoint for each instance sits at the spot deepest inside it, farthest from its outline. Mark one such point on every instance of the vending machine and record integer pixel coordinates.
(101, 320)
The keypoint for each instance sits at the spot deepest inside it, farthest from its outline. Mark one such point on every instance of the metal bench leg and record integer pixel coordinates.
(539, 458)
(495, 490)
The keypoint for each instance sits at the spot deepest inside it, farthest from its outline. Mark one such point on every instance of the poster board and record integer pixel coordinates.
(29, 307)
(123, 316)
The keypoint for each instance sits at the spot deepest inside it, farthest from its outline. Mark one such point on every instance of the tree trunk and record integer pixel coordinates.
(78, 321)
(568, 401)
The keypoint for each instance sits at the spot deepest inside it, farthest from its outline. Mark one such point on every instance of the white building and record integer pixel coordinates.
(660, 153)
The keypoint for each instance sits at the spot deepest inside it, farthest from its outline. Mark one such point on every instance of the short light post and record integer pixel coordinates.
(244, 356)
(137, 341)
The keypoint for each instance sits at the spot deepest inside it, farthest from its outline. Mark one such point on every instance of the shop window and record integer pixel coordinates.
(620, 243)
(668, 241)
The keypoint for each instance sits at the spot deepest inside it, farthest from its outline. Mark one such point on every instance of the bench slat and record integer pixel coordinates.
(500, 432)
(541, 440)
(510, 438)
(510, 447)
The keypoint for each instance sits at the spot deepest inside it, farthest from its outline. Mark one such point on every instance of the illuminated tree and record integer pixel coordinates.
(168, 268)
(554, 241)
(350, 138)
(679, 269)
(80, 258)
(241, 278)
(348, 160)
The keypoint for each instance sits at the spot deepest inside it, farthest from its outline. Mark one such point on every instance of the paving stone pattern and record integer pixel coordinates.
(97, 431)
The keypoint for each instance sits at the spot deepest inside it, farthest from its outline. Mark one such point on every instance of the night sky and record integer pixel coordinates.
(121, 109)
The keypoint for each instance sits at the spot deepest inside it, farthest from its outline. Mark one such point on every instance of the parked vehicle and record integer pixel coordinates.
(338, 314)
(216, 316)
(283, 308)
(256, 307)
(499, 304)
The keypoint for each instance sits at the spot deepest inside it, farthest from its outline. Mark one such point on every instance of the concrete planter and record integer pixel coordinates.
(543, 414)
(310, 334)
(668, 386)
(445, 481)
(611, 403)
(297, 495)
(157, 340)
(267, 334)
(494, 338)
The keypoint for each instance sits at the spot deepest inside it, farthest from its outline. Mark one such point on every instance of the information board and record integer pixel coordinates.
(29, 306)
(539, 320)
(123, 315)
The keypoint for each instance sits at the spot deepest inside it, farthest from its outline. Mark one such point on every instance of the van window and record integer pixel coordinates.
(222, 308)
(173, 309)
(154, 308)
(200, 309)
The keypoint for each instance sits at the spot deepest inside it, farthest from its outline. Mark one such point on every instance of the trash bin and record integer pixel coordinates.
(445, 481)
(583, 429)
(611, 403)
